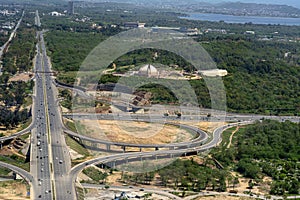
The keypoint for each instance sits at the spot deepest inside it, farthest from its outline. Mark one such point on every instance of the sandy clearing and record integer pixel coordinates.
(205, 126)
(222, 197)
(135, 132)
(13, 190)
(231, 136)
(21, 77)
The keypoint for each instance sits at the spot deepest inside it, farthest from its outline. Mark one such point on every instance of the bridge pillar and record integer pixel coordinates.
(94, 145)
(171, 148)
(171, 155)
(80, 141)
(140, 149)
(124, 149)
(108, 147)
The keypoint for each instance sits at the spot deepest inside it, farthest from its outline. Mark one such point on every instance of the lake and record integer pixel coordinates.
(242, 19)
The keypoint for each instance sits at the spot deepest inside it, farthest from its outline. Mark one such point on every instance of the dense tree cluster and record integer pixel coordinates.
(68, 49)
(21, 51)
(261, 79)
(186, 174)
(183, 175)
(12, 97)
(266, 148)
(95, 174)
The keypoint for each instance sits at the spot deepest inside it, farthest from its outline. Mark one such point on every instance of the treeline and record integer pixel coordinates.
(13, 97)
(185, 175)
(11, 119)
(68, 50)
(267, 148)
(21, 51)
(261, 79)
(18, 58)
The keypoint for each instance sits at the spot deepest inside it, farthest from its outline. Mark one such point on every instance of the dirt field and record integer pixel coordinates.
(6, 132)
(221, 197)
(205, 126)
(13, 190)
(21, 77)
(135, 132)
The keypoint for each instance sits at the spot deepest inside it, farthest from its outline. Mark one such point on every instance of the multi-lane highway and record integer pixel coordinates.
(39, 158)
(58, 153)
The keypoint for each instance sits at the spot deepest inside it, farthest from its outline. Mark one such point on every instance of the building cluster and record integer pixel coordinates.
(6, 12)
(129, 195)
(209, 30)
(129, 25)
(8, 25)
(70, 10)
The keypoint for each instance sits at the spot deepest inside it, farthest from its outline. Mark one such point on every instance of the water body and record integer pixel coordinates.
(243, 19)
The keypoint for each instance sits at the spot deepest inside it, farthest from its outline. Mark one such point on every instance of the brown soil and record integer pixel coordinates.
(231, 136)
(222, 197)
(13, 190)
(205, 126)
(21, 77)
(263, 188)
(135, 132)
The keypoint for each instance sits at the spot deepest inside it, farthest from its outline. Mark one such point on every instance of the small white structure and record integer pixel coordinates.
(250, 33)
(213, 72)
(134, 25)
(54, 13)
(148, 71)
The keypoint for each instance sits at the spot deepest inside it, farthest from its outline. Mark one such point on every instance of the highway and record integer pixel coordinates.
(37, 20)
(229, 117)
(39, 152)
(59, 157)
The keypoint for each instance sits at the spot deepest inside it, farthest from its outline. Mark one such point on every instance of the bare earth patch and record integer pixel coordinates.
(205, 126)
(222, 197)
(6, 132)
(13, 190)
(135, 132)
(21, 77)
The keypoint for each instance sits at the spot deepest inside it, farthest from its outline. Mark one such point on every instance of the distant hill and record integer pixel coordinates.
(274, 9)
(251, 9)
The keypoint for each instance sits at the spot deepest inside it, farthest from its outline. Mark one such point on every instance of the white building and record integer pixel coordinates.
(148, 71)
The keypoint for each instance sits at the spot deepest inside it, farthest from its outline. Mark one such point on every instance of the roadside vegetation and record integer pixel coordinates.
(14, 95)
(267, 148)
(16, 160)
(96, 175)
